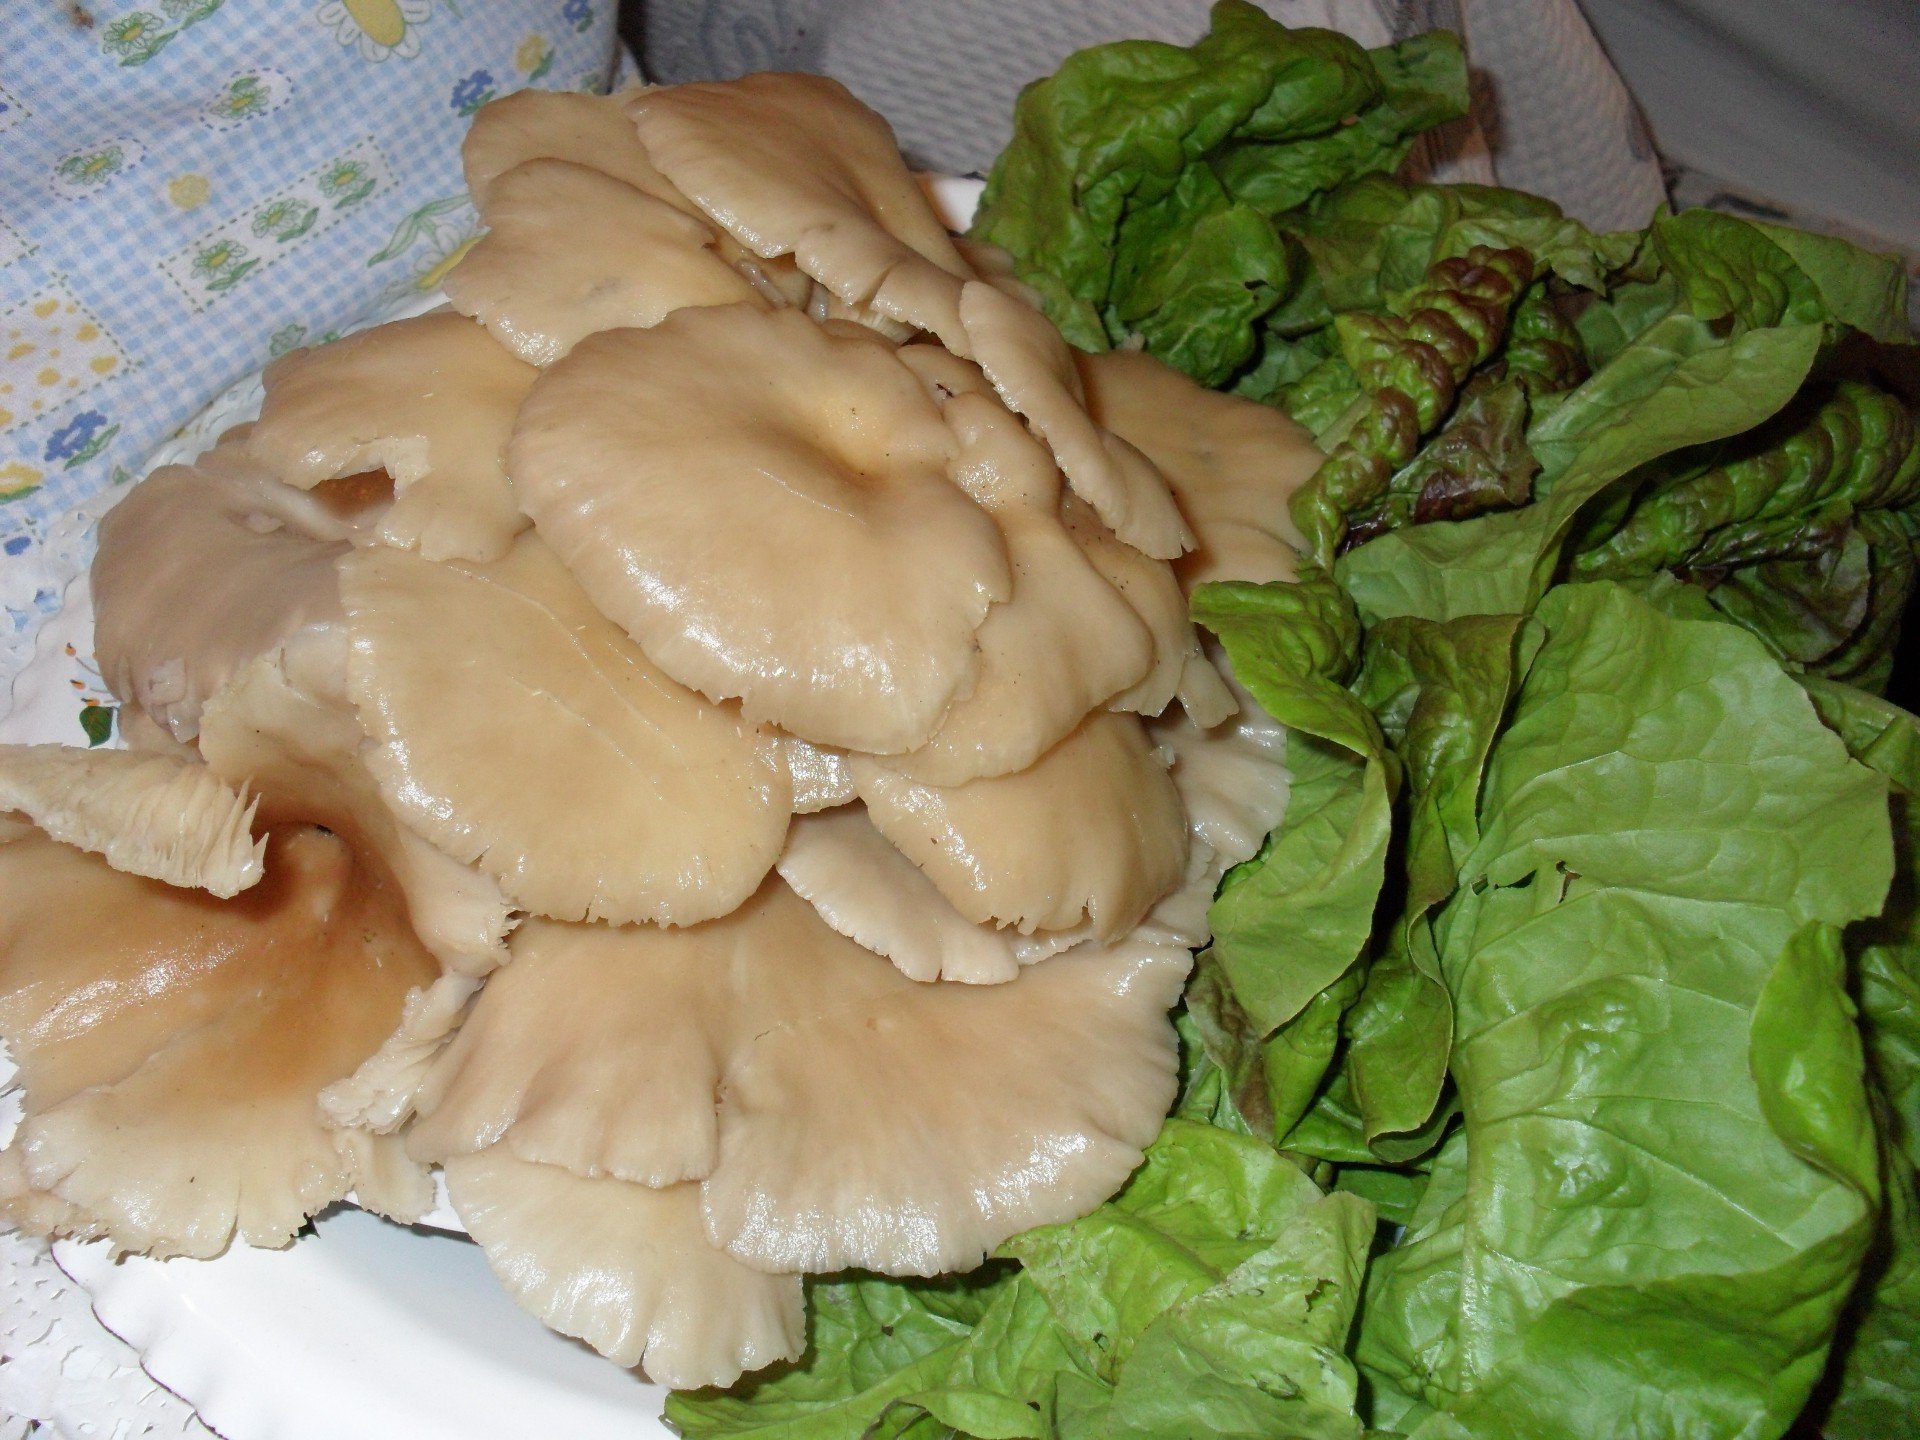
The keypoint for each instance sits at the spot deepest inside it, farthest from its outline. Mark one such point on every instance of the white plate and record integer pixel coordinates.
(364, 1328)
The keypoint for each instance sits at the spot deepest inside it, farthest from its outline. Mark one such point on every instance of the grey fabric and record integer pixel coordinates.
(1812, 107)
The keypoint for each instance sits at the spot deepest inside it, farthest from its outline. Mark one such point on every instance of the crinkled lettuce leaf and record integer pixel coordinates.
(1136, 193)
(1675, 387)
(1666, 1180)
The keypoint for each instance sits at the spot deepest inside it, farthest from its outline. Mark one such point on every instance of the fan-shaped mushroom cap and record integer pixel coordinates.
(1093, 828)
(599, 1048)
(590, 130)
(852, 1127)
(1232, 778)
(793, 164)
(1062, 643)
(149, 815)
(431, 400)
(1233, 463)
(1082, 1062)
(627, 1269)
(518, 729)
(171, 1044)
(285, 726)
(867, 890)
(763, 504)
(570, 251)
(200, 568)
(821, 779)
(1032, 368)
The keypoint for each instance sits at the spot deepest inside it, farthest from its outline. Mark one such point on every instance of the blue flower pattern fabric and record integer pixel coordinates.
(189, 188)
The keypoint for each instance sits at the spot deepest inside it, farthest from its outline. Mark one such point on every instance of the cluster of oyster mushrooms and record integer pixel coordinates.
(701, 740)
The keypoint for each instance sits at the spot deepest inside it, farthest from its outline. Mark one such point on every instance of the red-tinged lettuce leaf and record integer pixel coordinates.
(1665, 1184)
(1675, 387)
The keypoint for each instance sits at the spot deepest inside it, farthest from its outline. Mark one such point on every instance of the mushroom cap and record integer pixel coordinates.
(599, 1049)
(285, 727)
(171, 1044)
(1149, 587)
(431, 401)
(1062, 643)
(570, 251)
(1092, 829)
(151, 815)
(820, 777)
(1232, 463)
(763, 504)
(927, 1169)
(867, 890)
(1032, 368)
(200, 568)
(518, 729)
(833, 1107)
(627, 1269)
(590, 130)
(793, 164)
(1232, 777)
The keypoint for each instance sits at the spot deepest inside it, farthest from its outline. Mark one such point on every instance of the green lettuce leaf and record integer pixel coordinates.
(1216, 1292)
(1666, 1180)
(1135, 194)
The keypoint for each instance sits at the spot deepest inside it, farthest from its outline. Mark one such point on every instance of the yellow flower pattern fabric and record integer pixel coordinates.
(189, 188)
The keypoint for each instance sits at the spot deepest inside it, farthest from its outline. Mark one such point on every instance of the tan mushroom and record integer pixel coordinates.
(820, 777)
(763, 504)
(867, 890)
(793, 164)
(170, 1044)
(431, 401)
(519, 730)
(1091, 830)
(1048, 1088)
(570, 251)
(834, 1108)
(150, 815)
(1064, 642)
(588, 130)
(1232, 463)
(627, 1269)
(285, 727)
(1033, 369)
(200, 568)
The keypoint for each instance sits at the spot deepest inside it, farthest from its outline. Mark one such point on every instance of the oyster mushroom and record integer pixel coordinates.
(832, 1108)
(1064, 642)
(793, 164)
(151, 815)
(626, 1268)
(1093, 830)
(285, 727)
(431, 401)
(867, 890)
(820, 777)
(200, 568)
(171, 1044)
(519, 730)
(763, 504)
(1232, 463)
(590, 130)
(1032, 368)
(570, 251)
